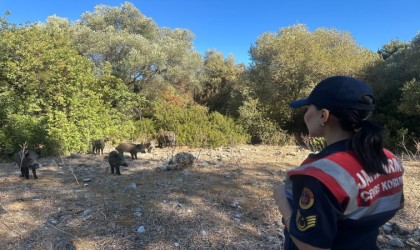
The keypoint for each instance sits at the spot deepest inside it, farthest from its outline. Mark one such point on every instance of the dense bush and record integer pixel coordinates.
(144, 130)
(261, 129)
(195, 126)
(18, 129)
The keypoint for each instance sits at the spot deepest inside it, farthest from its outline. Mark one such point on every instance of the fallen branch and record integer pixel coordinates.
(74, 236)
(15, 220)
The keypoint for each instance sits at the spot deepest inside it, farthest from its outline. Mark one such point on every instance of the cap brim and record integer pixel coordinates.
(299, 103)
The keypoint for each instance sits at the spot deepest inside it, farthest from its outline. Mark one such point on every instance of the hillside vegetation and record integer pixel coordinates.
(116, 75)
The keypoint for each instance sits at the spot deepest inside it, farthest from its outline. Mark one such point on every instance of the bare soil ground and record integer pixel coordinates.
(223, 202)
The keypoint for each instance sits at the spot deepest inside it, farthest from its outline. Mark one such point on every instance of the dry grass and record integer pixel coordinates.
(224, 202)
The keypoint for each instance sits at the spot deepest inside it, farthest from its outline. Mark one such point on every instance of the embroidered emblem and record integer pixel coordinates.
(305, 223)
(306, 200)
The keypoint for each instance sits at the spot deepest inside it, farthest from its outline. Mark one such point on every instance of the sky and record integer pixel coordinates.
(233, 26)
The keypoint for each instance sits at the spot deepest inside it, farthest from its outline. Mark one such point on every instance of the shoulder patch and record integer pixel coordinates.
(305, 223)
(306, 200)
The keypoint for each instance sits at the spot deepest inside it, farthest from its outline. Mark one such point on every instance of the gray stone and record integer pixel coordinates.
(141, 230)
(396, 242)
(387, 228)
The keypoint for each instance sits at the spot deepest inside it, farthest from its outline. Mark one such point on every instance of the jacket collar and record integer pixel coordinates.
(339, 146)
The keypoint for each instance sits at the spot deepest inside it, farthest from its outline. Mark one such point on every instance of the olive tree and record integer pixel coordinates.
(286, 65)
(143, 55)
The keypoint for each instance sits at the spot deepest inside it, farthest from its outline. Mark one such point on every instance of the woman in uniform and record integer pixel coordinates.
(339, 197)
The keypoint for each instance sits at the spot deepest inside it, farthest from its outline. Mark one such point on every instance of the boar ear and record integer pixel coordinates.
(27, 153)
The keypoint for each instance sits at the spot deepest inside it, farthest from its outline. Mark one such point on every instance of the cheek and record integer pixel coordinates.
(308, 117)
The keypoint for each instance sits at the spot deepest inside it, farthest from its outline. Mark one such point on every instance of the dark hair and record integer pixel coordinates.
(368, 140)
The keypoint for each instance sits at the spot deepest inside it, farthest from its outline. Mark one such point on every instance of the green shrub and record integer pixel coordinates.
(314, 144)
(261, 129)
(18, 129)
(144, 130)
(195, 126)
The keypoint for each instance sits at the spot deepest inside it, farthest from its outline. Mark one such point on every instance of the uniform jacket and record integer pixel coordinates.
(336, 204)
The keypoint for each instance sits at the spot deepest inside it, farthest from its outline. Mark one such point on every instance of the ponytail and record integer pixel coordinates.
(368, 143)
(368, 140)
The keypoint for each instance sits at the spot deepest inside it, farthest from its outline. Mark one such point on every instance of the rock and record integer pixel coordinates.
(75, 156)
(138, 212)
(411, 242)
(132, 186)
(141, 230)
(396, 242)
(180, 161)
(387, 228)
(87, 212)
(234, 204)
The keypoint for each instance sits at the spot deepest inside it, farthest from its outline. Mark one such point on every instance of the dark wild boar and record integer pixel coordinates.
(131, 148)
(115, 161)
(27, 160)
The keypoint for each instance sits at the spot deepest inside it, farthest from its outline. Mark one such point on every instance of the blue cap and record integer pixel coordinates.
(338, 92)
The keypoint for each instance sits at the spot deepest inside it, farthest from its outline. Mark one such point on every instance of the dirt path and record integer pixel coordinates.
(223, 202)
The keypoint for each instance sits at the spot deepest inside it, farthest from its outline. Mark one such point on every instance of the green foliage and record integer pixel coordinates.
(225, 131)
(144, 130)
(195, 126)
(117, 75)
(220, 88)
(258, 126)
(391, 48)
(287, 65)
(397, 91)
(18, 129)
(410, 100)
(140, 53)
(395, 137)
(315, 144)
(44, 78)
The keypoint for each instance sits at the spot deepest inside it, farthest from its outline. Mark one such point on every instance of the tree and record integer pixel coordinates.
(144, 56)
(392, 47)
(411, 91)
(50, 87)
(220, 86)
(287, 65)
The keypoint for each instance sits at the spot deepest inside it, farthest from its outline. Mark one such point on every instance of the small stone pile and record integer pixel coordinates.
(180, 161)
(392, 236)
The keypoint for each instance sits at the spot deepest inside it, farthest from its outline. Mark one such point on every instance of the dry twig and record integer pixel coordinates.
(74, 236)
(62, 161)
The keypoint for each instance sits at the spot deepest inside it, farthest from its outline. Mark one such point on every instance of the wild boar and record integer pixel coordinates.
(27, 160)
(131, 148)
(166, 138)
(98, 146)
(116, 160)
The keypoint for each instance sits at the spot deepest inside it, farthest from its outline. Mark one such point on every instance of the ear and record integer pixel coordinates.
(325, 115)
